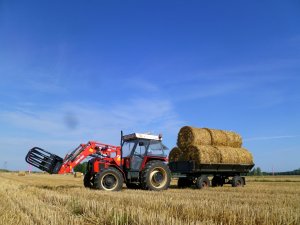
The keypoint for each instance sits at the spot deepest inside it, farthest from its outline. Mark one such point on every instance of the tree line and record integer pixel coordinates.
(258, 172)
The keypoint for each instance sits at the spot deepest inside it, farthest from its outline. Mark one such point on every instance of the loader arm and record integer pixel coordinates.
(53, 164)
(83, 151)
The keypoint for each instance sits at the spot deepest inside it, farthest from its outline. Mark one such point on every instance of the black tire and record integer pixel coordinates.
(109, 179)
(202, 182)
(133, 186)
(237, 181)
(156, 176)
(88, 180)
(184, 182)
(217, 181)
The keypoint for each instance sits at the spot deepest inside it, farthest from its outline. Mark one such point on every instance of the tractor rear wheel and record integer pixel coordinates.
(202, 182)
(109, 179)
(88, 180)
(156, 176)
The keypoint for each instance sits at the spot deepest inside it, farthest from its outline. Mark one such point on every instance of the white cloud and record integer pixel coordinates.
(47, 128)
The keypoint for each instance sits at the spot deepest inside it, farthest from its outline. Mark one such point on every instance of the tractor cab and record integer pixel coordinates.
(138, 149)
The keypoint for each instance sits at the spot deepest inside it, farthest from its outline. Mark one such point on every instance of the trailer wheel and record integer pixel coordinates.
(109, 179)
(156, 176)
(184, 182)
(88, 180)
(202, 182)
(237, 181)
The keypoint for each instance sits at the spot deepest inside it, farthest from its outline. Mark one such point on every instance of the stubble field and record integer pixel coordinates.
(62, 199)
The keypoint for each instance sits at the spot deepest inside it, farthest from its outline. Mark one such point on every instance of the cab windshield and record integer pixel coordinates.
(142, 146)
(156, 148)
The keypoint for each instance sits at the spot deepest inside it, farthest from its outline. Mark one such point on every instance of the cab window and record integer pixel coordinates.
(127, 148)
(140, 148)
(156, 148)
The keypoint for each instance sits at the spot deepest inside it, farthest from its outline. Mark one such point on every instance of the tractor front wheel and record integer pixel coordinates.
(109, 179)
(156, 176)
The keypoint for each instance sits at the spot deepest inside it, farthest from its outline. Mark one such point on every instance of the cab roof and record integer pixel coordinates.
(142, 136)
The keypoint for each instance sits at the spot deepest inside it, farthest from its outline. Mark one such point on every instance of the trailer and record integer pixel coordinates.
(190, 173)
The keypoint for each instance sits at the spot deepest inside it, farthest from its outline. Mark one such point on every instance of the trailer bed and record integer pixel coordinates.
(186, 167)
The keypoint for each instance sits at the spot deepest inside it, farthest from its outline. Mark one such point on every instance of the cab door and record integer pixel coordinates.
(138, 155)
(127, 148)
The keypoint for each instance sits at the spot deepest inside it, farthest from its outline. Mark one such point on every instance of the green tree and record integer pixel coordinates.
(81, 167)
(258, 171)
(255, 172)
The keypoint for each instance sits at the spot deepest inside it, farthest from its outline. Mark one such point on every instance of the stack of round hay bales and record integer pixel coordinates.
(206, 145)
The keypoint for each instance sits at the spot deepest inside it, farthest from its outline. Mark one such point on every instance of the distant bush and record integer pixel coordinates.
(294, 172)
(257, 172)
(81, 167)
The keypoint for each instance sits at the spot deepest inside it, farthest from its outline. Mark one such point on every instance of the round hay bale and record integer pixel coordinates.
(184, 155)
(204, 154)
(193, 136)
(174, 155)
(233, 139)
(245, 156)
(21, 173)
(218, 137)
(78, 174)
(231, 155)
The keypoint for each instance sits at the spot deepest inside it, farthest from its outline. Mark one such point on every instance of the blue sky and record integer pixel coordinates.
(73, 71)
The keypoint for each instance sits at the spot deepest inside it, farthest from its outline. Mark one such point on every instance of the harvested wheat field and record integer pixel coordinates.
(62, 199)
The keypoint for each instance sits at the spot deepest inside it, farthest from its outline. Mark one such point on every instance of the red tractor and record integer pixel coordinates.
(140, 162)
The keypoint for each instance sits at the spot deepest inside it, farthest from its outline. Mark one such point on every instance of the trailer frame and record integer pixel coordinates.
(190, 173)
